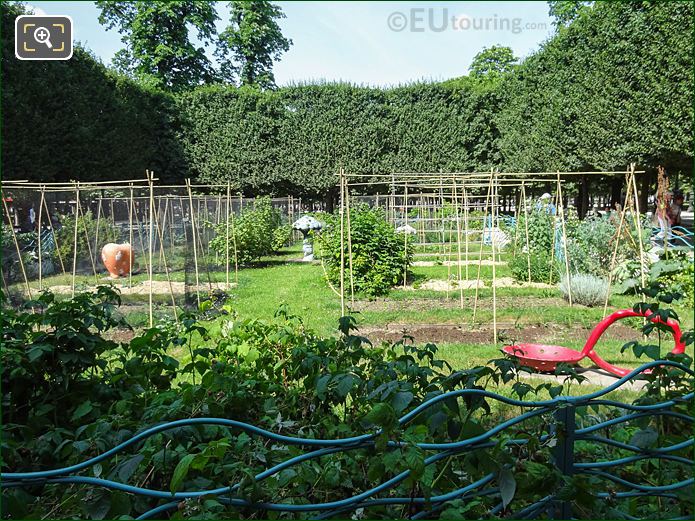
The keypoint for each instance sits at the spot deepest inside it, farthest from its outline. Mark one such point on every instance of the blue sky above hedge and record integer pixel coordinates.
(352, 41)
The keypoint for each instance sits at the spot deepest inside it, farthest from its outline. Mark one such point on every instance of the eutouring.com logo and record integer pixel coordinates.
(430, 19)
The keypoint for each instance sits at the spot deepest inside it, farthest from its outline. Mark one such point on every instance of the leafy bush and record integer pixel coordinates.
(587, 290)
(66, 236)
(380, 258)
(282, 236)
(543, 269)
(69, 394)
(254, 233)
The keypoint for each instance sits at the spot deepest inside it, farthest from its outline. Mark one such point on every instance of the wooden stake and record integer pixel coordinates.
(150, 244)
(226, 263)
(405, 239)
(482, 241)
(74, 249)
(617, 243)
(40, 239)
(342, 245)
(16, 245)
(561, 211)
(528, 245)
(195, 246)
(130, 237)
(349, 238)
(493, 228)
(458, 244)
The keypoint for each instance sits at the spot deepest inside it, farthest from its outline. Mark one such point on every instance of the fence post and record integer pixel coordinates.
(563, 453)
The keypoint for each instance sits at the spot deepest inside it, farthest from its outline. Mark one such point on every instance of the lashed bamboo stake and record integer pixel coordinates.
(74, 245)
(195, 246)
(617, 244)
(226, 244)
(638, 224)
(405, 239)
(349, 238)
(130, 237)
(482, 241)
(342, 245)
(40, 245)
(96, 233)
(166, 267)
(561, 210)
(528, 245)
(55, 238)
(149, 246)
(87, 240)
(236, 252)
(494, 226)
(16, 245)
(465, 225)
(458, 244)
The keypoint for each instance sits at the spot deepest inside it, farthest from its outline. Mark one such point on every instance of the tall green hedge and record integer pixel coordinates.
(295, 138)
(76, 119)
(611, 87)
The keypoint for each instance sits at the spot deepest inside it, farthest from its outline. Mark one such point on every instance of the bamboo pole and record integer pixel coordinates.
(561, 210)
(349, 238)
(405, 238)
(195, 246)
(160, 234)
(55, 238)
(493, 228)
(96, 233)
(342, 245)
(87, 241)
(150, 244)
(617, 243)
(458, 244)
(638, 224)
(465, 225)
(480, 253)
(226, 248)
(40, 245)
(16, 245)
(528, 244)
(236, 252)
(74, 248)
(130, 237)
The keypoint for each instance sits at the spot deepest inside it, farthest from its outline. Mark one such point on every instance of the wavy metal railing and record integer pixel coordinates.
(565, 435)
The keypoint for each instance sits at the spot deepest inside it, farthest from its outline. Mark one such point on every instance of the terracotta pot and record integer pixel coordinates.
(118, 259)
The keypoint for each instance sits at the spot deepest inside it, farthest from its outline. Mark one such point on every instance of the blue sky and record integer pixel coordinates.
(352, 41)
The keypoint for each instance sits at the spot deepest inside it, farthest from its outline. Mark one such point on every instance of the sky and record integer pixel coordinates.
(368, 43)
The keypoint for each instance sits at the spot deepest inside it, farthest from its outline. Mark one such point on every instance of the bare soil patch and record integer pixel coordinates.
(454, 285)
(159, 287)
(507, 333)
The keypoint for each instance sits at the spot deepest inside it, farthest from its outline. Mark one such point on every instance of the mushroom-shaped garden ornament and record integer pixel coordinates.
(306, 224)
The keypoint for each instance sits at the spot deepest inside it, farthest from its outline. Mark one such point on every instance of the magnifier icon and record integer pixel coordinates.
(42, 35)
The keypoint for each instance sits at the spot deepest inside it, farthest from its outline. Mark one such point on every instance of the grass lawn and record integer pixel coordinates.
(279, 280)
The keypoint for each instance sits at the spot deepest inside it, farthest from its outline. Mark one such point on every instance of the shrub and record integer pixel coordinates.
(587, 290)
(253, 232)
(380, 258)
(543, 269)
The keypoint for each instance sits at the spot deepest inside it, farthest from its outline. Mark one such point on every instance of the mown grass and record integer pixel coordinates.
(276, 281)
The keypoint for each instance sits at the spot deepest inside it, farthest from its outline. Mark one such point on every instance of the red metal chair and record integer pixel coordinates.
(545, 358)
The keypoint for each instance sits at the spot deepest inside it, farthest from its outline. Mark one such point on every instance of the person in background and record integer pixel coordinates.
(674, 209)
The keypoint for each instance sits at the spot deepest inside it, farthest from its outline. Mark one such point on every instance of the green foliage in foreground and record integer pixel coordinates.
(68, 394)
(380, 255)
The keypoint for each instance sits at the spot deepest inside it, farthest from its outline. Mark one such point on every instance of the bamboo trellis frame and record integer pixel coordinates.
(463, 190)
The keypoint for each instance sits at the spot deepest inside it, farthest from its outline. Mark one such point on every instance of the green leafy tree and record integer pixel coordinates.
(159, 49)
(493, 61)
(565, 11)
(251, 43)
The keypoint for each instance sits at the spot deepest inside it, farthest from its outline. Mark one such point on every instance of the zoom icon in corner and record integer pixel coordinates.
(43, 37)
